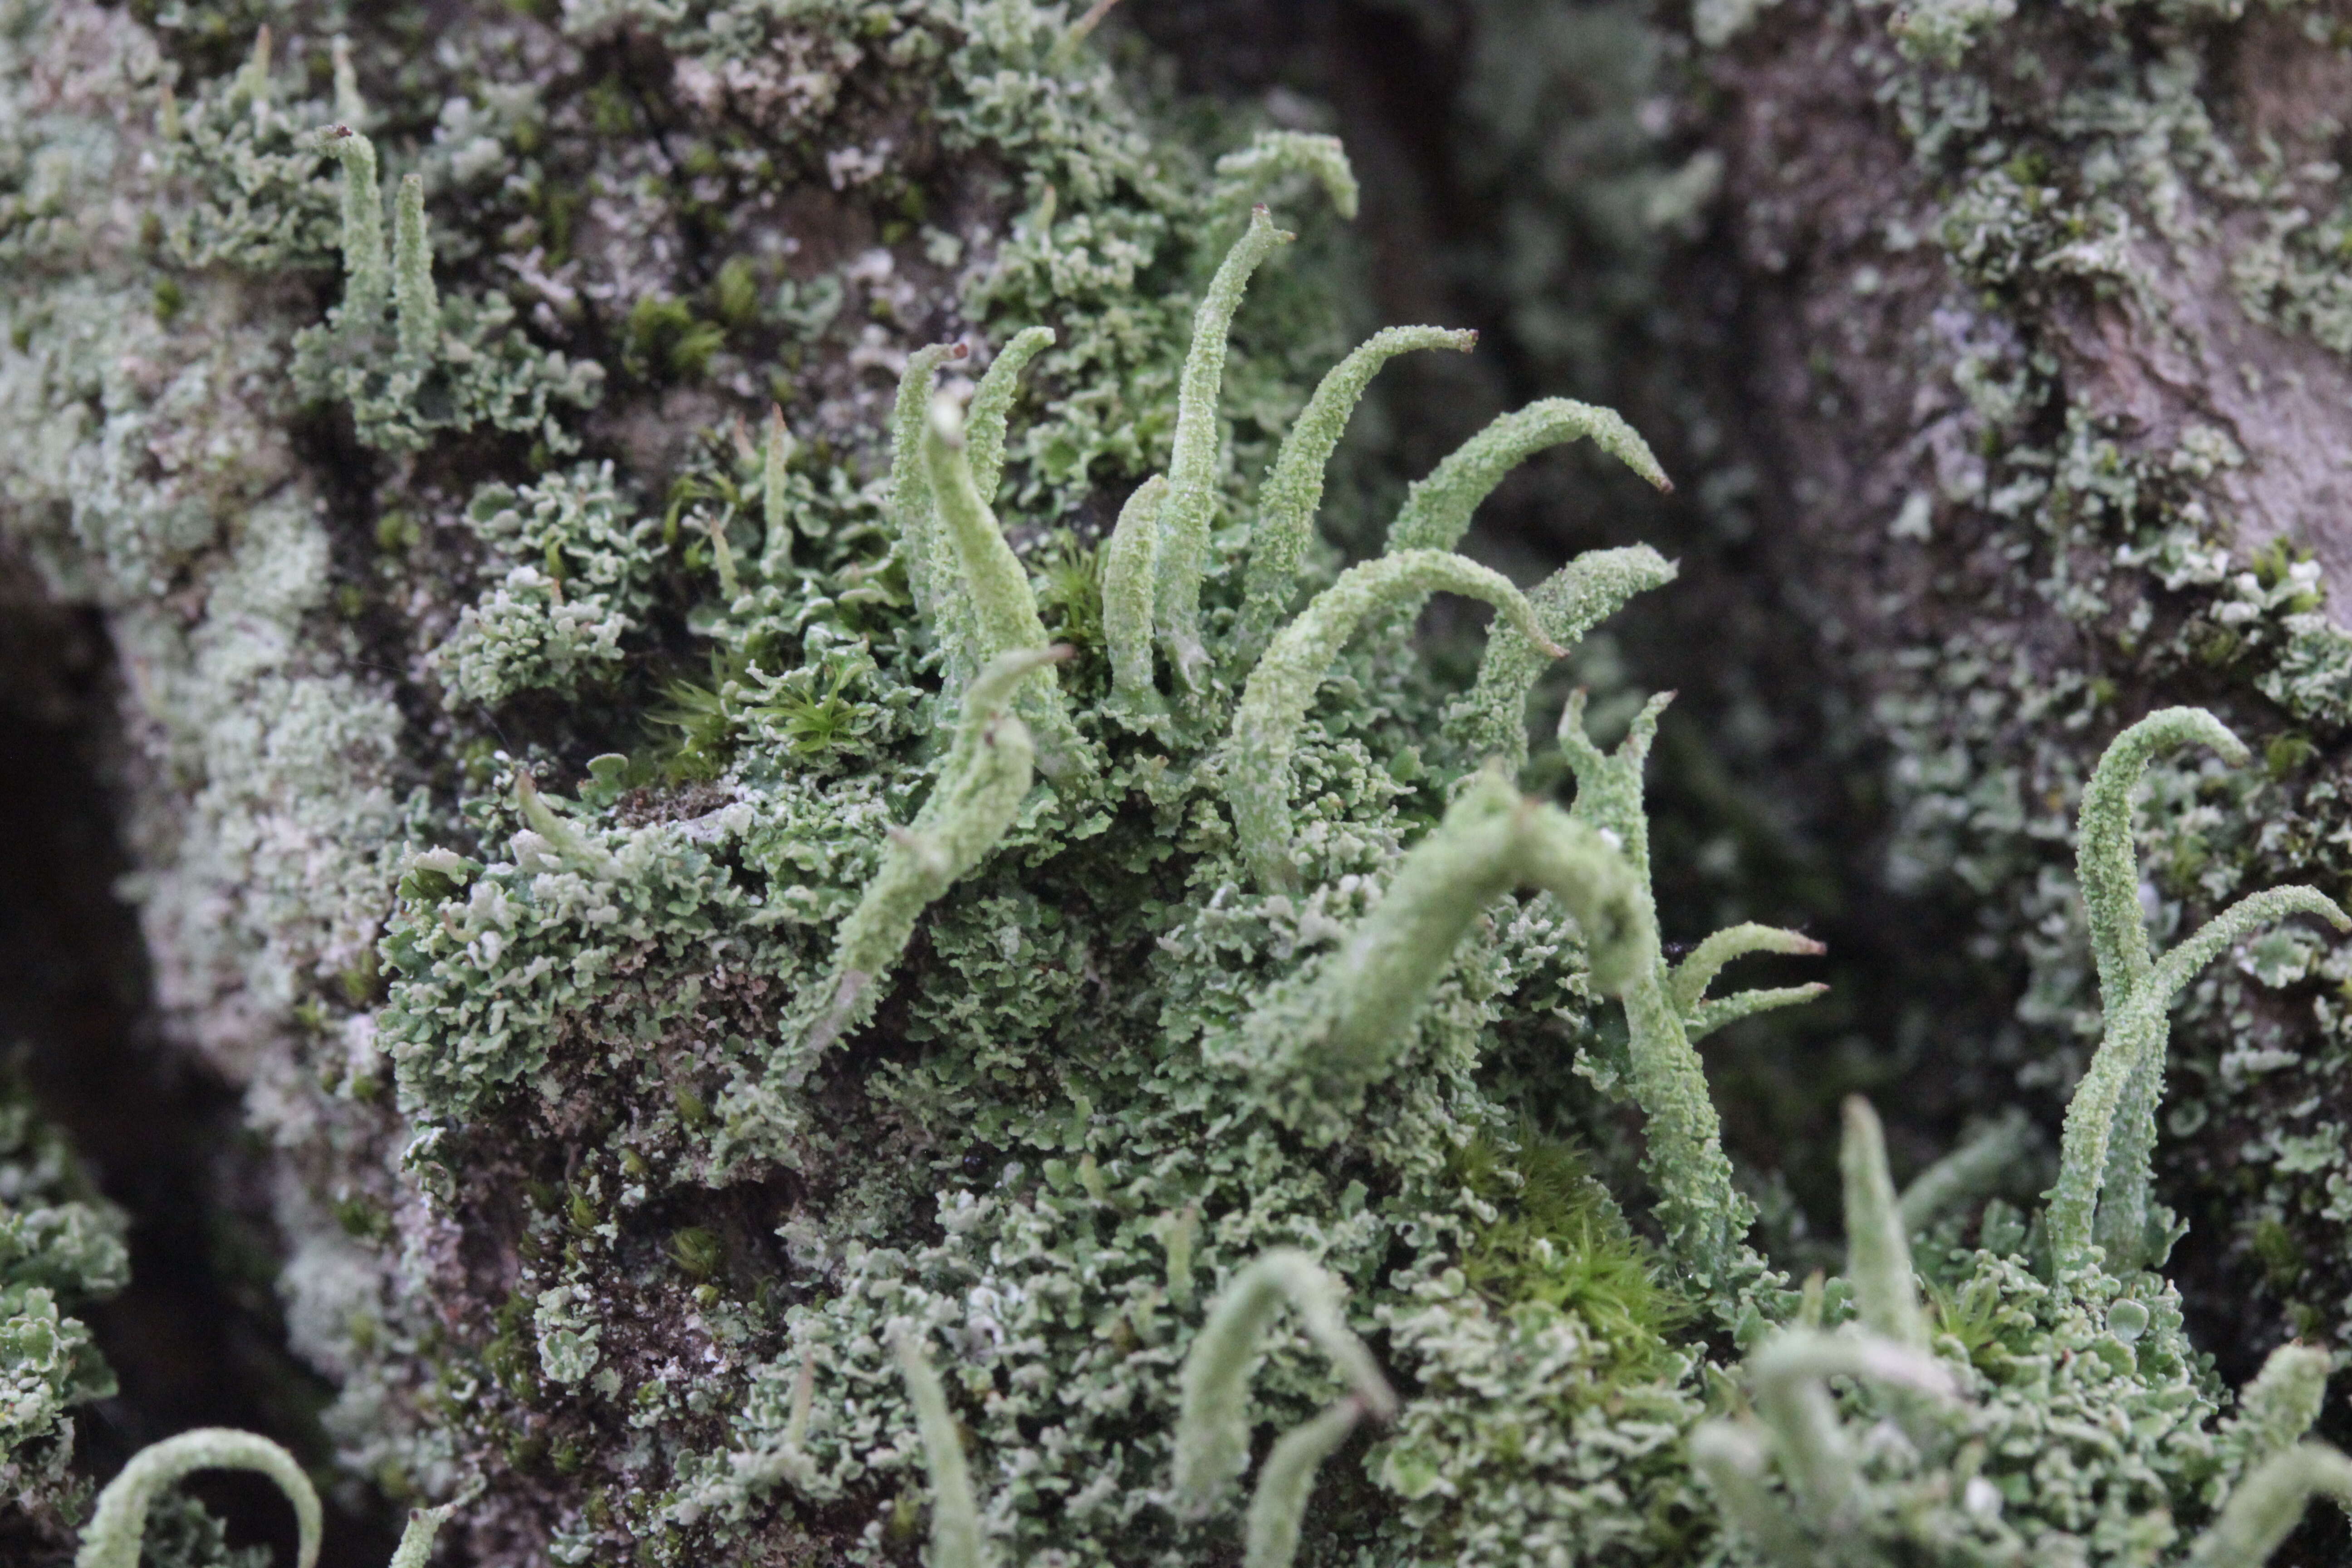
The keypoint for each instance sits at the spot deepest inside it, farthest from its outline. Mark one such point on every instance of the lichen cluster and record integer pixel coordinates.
(827, 937)
(60, 1248)
(2064, 546)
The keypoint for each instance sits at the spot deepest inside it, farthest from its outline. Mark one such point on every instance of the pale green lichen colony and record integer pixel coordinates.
(1011, 960)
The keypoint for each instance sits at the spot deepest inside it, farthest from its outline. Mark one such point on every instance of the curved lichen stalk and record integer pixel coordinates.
(1294, 488)
(999, 608)
(1797, 1423)
(776, 529)
(991, 408)
(1975, 1169)
(987, 773)
(1364, 1004)
(1490, 721)
(416, 307)
(1131, 561)
(911, 511)
(1243, 177)
(1705, 1216)
(1687, 983)
(1213, 1424)
(2266, 1506)
(1256, 757)
(956, 1538)
(115, 1532)
(1437, 510)
(1279, 1507)
(2101, 1195)
(1192, 503)
(566, 839)
(118, 1528)
(2277, 1408)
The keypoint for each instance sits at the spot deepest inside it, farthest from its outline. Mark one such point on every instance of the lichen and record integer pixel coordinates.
(878, 1069)
(61, 1248)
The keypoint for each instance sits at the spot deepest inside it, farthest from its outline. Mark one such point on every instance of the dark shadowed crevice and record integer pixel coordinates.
(195, 1339)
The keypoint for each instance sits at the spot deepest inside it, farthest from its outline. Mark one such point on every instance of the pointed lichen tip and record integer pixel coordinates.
(1261, 216)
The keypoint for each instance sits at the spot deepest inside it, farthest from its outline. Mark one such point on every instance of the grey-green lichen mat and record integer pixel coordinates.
(1014, 1045)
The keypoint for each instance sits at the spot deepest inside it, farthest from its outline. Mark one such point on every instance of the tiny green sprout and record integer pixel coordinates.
(796, 1425)
(910, 483)
(367, 279)
(776, 536)
(1294, 488)
(1733, 1458)
(1065, 50)
(1130, 567)
(987, 773)
(1436, 512)
(1969, 1172)
(1491, 719)
(697, 1252)
(2278, 1407)
(1212, 1424)
(1689, 980)
(2266, 1507)
(253, 81)
(722, 559)
(1177, 1234)
(1184, 520)
(416, 306)
(566, 839)
(423, 1527)
(1244, 177)
(113, 1537)
(1279, 1507)
(1371, 990)
(1878, 1249)
(991, 407)
(956, 1539)
(349, 108)
(1274, 705)
(2109, 1142)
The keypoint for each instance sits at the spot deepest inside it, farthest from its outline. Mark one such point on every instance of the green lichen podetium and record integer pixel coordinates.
(1706, 1218)
(2106, 1162)
(117, 1526)
(2052, 159)
(746, 1135)
(1075, 961)
(1981, 1417)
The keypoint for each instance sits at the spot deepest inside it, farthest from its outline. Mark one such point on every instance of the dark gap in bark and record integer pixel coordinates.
(195, 1339)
